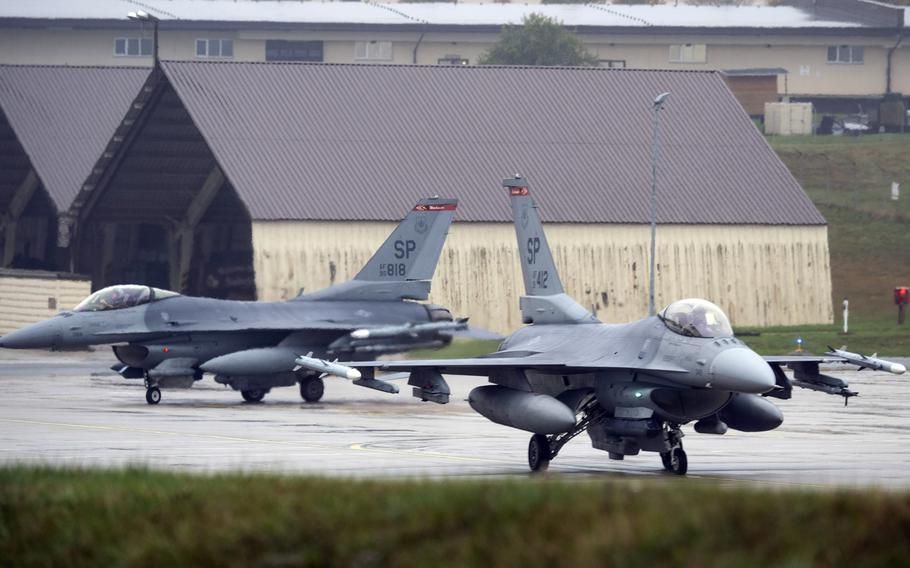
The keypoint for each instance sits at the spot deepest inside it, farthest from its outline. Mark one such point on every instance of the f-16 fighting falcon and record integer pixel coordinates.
(169, 340)
(630, 386)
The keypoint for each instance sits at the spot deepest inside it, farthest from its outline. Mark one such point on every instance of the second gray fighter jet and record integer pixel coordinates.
(169, 340)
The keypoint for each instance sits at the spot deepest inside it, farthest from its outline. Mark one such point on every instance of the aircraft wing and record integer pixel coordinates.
(806, 372)
(838, 356)
(784, 359)
(485, 365)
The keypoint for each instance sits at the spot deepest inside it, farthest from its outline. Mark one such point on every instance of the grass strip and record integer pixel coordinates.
(139, 517)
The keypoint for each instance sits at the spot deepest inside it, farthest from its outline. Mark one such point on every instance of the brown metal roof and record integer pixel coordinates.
(362, 142)
(63, 117)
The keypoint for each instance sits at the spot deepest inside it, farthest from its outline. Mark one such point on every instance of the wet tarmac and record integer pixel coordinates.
(68, 409)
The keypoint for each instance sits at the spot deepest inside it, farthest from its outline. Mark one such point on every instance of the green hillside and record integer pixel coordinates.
(849, 180)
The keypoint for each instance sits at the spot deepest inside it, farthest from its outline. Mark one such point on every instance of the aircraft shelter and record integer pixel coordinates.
(253, 180)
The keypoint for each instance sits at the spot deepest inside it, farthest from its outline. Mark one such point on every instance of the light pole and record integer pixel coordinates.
(658, 104)
(146, 17)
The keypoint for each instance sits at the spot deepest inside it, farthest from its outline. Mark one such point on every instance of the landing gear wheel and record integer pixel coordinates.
(539, 453)
(675, 461)
(312, 389)
(253, 395)
(152, 395)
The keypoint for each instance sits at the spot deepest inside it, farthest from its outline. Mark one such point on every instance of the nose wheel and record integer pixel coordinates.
(153, 395)
(675, 461)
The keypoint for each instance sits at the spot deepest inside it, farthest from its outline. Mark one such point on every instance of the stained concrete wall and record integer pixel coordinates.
(760, 275)
(28, 296)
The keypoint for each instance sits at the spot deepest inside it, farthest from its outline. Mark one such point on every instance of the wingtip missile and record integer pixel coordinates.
(328, 367)
(865, 362)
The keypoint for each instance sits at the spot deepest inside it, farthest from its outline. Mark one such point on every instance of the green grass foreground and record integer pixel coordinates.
(138, 517)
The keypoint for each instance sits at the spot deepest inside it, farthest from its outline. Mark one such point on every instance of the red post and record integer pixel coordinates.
(901, 298)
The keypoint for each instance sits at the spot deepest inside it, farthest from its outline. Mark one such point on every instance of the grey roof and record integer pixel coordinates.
(832, 14)
(359, 142)
(64, 117)
(755, 72)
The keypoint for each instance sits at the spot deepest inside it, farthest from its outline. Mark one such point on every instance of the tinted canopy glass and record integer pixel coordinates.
(123, 296)
(696, 318)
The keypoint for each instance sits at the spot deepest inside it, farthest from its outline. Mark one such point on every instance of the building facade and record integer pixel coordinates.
(840, 49)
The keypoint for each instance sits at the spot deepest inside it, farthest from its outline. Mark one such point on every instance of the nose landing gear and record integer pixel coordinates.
(675, 460)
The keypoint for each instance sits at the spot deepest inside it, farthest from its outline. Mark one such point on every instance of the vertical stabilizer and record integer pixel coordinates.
(537, 266)
(404, 265)
(544, 301)
(412, 250)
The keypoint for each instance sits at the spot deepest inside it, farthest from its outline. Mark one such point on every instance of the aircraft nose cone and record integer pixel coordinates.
(41, 335)
(741, 370)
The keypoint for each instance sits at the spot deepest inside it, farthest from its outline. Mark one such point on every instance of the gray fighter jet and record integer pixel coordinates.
(630, 386)
(170, 340)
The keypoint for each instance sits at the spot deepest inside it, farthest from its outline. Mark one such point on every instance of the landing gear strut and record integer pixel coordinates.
(542, 449)
(152, 395)
(311, 388)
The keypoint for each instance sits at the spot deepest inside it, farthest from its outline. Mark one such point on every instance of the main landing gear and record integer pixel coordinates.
(311, 388)
(542, 448)
(253, 395)
(152, 395)
(539, 453)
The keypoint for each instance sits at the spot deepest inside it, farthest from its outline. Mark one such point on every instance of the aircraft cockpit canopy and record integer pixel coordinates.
(122, 296)
(696, 318)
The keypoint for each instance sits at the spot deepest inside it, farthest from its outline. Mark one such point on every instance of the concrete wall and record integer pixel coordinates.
(30, 296)
(804, 56)
(759, 275)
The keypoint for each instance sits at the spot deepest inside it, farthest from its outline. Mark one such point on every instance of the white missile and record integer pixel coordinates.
(409, 329)
(328, 367)
(872, 362)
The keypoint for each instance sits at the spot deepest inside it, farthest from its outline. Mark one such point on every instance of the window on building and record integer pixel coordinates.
(132, 47)
(281, 50)
(221, 48)
(452, 60)
(845, 54)
(688, 53)
(613, 63)
(373, 50)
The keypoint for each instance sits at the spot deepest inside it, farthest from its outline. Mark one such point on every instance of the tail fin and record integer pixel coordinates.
(404, 265)
(412, 250)
(537, 266)
(544, 301)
